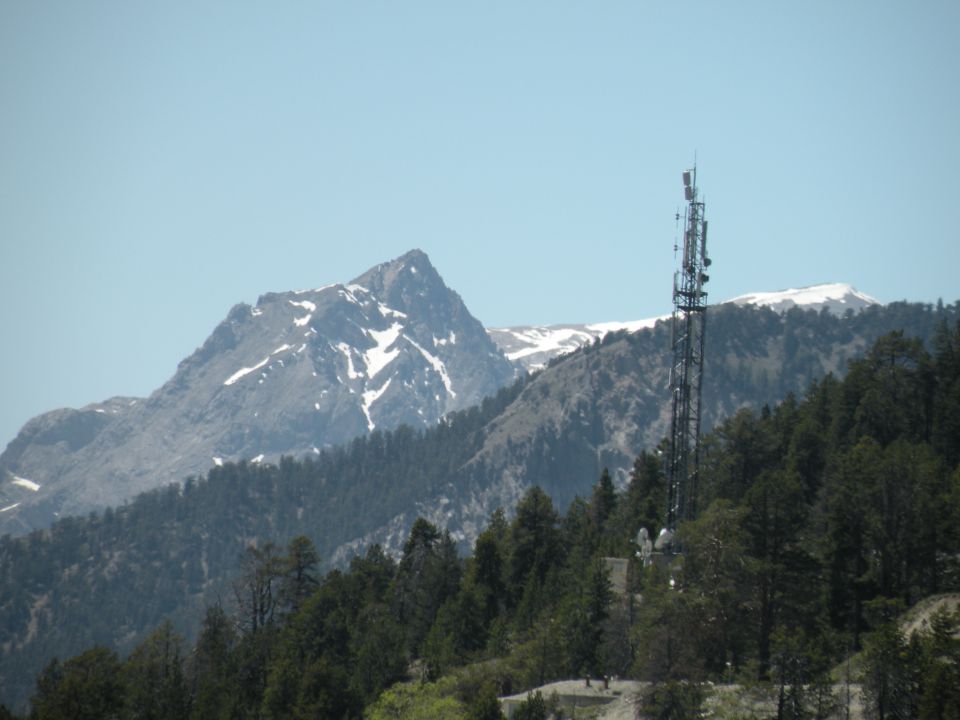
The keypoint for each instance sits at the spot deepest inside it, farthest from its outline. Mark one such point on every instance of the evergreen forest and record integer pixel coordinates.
(821, 519)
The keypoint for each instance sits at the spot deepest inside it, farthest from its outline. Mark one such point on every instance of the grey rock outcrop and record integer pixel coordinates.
(298, 372)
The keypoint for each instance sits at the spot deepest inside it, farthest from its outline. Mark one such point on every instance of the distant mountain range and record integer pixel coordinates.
(296, 373)
(533, 346)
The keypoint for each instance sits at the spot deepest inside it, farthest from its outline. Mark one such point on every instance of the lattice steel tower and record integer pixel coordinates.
(686, 373)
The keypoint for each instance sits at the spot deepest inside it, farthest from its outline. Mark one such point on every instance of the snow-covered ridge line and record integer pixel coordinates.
(533, 346)
(631, 326)
(548, 339)
(828, 294)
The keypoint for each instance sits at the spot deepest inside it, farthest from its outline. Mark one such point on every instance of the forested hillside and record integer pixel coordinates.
(821, 518)
(598, 407)
(108, 579)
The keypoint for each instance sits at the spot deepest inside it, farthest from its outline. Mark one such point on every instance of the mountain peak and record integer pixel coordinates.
(414, 255)
(413, 267)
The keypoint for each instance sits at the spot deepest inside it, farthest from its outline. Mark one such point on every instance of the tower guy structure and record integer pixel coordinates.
(686, 373)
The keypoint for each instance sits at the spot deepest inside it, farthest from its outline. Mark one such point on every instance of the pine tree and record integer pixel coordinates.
(886, 684)
(153, 676)
(783, 571)
(86, 686)
(488, 566)
(583, 615)
(645, 500)
(533, 708)
(256, 589)
(378, 651)
(672, 700)
(298, 577)
(533, 544)
(603, 501)
(210, 667)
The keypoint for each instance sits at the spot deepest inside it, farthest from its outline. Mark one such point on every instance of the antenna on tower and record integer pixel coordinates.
(686, 372)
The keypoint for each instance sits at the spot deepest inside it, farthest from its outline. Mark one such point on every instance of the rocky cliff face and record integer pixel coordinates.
(298, 372)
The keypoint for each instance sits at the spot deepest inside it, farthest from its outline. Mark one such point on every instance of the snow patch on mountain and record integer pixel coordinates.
(243, 372)
(835, 297)
(28, 484)
(350, 292)
(632, 326)
(548, 340)
(389, 311)
(437, 365)
(348, 354)
(380, 355)
(369, 398)
(305, 304)
(532, 347)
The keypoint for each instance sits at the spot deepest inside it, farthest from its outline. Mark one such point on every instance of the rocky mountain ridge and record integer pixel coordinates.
(297, 372)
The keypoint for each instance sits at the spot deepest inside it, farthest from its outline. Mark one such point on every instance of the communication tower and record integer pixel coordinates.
(686, 372)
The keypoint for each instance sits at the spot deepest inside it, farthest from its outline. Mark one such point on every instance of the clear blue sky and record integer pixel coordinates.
(162, 161)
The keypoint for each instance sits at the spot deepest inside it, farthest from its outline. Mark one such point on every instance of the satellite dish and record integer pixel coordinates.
(664, 540)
